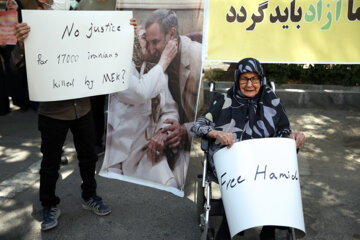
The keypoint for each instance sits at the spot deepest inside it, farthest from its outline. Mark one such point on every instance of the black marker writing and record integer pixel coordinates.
(40, 61)
(275, 176)
(63, 83)
(111, 77)
(101, 55)
(232, 182)
(67, 58)
(76, 33)
(89, 83)
(101, 29)
(123, 73)
(263, 172)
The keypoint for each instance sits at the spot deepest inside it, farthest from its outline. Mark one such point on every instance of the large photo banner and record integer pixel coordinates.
(285, 31)
(260, 187)
(77, 53)
(148, 140)
(8, 19)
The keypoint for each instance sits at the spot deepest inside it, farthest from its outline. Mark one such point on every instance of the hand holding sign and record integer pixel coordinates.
(299, 138)
(225, 138)
(21, 32)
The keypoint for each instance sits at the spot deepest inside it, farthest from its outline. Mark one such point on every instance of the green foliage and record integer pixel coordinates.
(334, 74)
(215, 75)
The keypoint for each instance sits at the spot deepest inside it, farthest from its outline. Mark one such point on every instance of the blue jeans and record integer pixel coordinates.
(53, 135)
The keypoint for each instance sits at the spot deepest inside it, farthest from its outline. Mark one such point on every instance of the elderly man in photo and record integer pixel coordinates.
(184, 78)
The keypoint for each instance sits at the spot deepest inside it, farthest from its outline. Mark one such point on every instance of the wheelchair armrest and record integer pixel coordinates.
(205, 144)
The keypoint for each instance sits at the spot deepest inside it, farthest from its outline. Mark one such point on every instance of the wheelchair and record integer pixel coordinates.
(207, 206)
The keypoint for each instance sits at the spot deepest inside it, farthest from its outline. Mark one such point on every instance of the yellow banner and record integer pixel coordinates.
(306, 31)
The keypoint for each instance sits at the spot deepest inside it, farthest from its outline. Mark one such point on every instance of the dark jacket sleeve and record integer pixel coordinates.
(17, 58)
(206, 122)
(282, 123)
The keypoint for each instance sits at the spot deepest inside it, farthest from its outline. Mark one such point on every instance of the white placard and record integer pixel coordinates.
(74, 54)
(259, 182)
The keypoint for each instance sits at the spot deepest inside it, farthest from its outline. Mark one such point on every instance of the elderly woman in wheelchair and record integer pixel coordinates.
(248, 110)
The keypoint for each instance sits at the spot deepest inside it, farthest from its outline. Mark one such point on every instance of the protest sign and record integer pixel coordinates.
(136, 121)
(308, 31)
(8, 19)
(74, 54)
(259, 182)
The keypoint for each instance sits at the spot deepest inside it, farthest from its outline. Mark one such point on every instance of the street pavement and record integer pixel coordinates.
(329, 166)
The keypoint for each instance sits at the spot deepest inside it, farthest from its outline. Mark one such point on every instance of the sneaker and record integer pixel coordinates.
(50, 216)
(96, 205)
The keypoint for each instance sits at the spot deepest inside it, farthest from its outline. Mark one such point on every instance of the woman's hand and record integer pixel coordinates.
(225, 138)
(168, 53)
(21, 32)
(299, 138)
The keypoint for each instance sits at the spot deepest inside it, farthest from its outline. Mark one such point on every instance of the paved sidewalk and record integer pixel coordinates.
(329, 165)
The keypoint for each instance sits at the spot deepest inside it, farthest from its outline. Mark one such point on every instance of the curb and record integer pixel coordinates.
(302, 95)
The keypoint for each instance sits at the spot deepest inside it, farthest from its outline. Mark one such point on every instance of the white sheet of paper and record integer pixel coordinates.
(74, 54)
(118, 176)
(259, 182)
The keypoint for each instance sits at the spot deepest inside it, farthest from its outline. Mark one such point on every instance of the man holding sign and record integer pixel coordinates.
(55, 119)
(248, 110)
